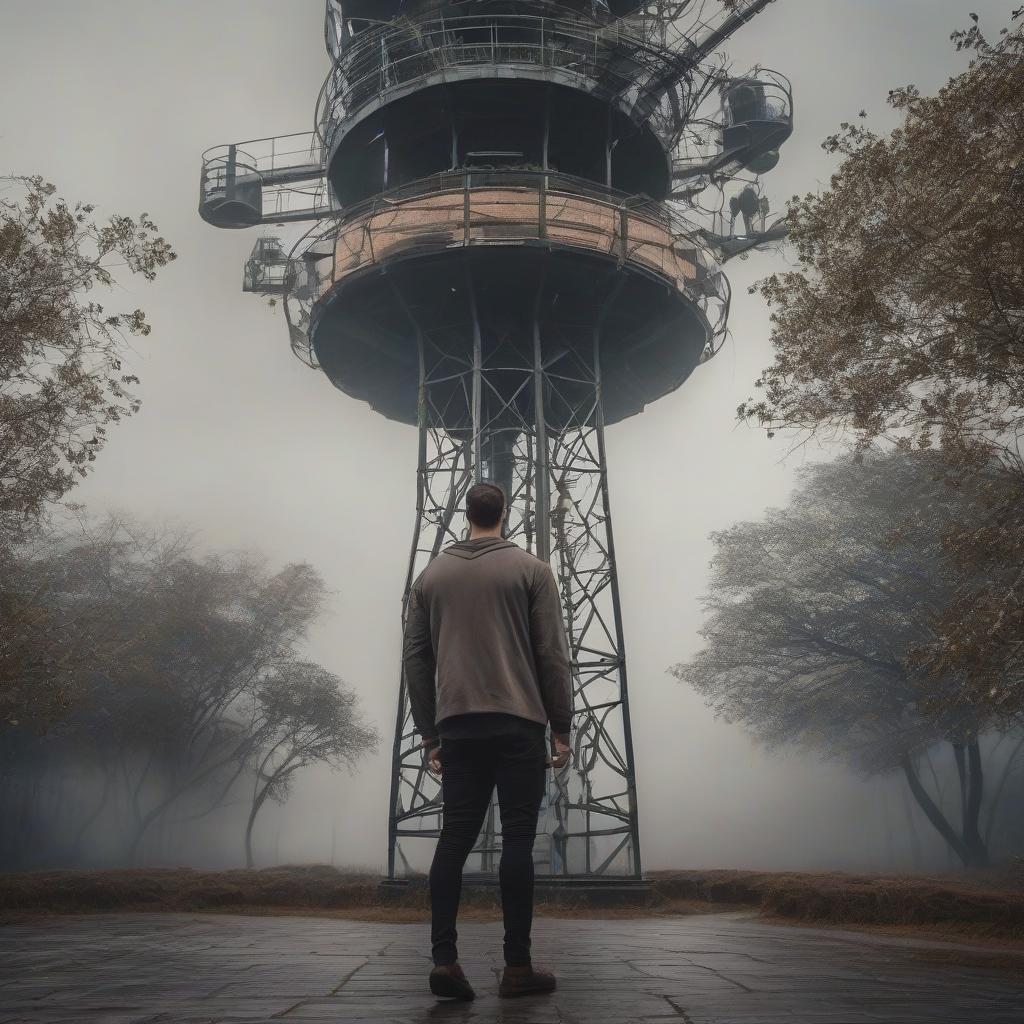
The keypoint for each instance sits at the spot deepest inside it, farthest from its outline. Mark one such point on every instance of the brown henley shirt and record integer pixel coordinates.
(484, 634)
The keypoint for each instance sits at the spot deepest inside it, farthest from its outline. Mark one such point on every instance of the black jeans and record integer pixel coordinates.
(471, 768)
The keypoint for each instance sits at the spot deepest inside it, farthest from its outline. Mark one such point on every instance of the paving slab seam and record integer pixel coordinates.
(680, 1012)
(348, 977)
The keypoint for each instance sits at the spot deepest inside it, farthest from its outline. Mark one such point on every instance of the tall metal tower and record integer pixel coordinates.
(513, 247)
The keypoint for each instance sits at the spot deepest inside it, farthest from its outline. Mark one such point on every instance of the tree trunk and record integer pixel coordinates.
(249, 863)
(993, 817)
(932, 811)
(960, 757)
(257, 803)
(915, 840)
(890, 845)
(174, 790)
(973, 842)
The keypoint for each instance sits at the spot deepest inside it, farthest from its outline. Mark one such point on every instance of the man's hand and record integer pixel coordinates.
(432, 754)
(560, 751)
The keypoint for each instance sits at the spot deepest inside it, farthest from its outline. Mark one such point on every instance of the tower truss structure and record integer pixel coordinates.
(511, 248)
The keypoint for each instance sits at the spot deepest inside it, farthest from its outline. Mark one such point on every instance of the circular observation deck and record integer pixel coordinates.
(230, 188)
(497, 256)
(412, 98)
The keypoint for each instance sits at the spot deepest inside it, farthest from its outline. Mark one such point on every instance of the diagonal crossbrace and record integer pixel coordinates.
(530, 416)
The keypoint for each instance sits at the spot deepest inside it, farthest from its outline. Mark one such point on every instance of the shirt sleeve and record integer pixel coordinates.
(419, 664)
(551, 650)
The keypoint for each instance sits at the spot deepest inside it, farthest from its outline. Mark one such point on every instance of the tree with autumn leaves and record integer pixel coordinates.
(62, 384)
(880, 618)
(141, 681)
(62, 379)
(903, 325)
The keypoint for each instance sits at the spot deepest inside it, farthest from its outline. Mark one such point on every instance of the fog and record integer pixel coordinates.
(114, 101)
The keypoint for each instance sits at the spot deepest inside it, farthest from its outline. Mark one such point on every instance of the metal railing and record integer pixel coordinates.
(272, 158)
(535, 178)
(223, 167)
(477, 208)
(287, 172)
(405, 52)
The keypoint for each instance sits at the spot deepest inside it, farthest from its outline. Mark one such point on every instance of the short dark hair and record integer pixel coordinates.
(485, 504)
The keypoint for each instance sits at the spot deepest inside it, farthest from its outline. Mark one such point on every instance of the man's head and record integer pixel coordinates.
(485, 506)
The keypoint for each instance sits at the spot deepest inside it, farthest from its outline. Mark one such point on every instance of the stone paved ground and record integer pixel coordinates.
(185, 969)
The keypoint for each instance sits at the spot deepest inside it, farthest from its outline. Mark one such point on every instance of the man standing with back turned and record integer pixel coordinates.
(485, 618)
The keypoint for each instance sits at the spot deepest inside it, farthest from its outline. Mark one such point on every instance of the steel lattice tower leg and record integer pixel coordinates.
(479, 298)
(513, 388)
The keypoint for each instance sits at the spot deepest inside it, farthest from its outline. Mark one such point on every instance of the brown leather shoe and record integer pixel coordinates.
(525, 981)
(447, 980)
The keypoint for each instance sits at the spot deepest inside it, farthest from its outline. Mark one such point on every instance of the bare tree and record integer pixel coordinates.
(814, 615)
(304, 716)
(216, 628)
(168, 712)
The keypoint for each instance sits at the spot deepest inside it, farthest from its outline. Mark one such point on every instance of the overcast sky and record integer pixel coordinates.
(114, 101)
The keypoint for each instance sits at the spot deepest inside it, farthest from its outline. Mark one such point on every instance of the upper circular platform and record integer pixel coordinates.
(428, 72)
(493, 123)
(491, 252)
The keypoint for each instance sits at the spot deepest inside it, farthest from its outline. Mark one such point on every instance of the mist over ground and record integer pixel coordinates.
(115, 100)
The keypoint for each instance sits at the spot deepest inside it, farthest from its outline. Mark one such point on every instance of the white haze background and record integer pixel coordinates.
(114, 100)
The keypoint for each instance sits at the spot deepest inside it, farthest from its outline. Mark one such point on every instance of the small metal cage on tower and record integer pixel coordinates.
(759, 118)
(269, 270)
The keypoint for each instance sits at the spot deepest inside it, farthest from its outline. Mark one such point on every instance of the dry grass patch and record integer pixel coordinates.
(976, 905)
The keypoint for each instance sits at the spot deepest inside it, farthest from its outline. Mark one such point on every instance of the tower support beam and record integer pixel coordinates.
(499, 265)
(542, 474)
(510, 376)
